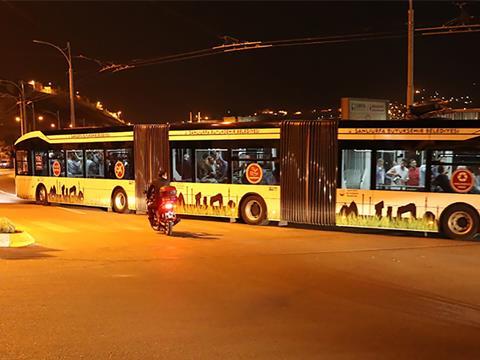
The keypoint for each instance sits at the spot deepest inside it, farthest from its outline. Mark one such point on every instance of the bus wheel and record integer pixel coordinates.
(460, 221)
(119, 201)
(253, 210)
(41, 195)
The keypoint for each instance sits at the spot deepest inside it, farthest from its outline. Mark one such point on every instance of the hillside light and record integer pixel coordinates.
(18, 118)
(40, 118)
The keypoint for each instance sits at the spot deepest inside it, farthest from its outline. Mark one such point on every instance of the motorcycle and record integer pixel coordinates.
(161, 212)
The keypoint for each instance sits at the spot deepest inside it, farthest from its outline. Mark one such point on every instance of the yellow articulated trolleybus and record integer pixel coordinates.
(421, 175)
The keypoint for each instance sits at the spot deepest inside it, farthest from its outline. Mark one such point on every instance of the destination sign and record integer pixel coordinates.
(406, 131)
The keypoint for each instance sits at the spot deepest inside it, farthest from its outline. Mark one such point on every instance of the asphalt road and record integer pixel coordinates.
(99, 285)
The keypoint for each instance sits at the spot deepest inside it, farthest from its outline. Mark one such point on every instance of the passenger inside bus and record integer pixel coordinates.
(95, 165)
(206, 168)
(74, 163)
(404, 172)
(212, 167)
(441, 182)
(398, 174)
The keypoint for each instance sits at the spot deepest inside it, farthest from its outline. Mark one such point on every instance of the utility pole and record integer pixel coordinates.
(33, 116)
(70, 79)
(24, 107)
(22, 114)
(411, 31)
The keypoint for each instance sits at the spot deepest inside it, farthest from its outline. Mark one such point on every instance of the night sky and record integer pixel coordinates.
(292, 78)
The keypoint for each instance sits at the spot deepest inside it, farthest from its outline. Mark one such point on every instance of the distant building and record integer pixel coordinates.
(462, 114)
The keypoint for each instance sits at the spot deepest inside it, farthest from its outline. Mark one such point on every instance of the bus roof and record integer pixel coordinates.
(358, 124)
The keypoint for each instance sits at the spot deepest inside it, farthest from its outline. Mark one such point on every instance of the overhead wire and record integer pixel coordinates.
(253, 45)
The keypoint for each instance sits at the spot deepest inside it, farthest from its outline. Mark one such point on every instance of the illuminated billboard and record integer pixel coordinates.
(364, 109)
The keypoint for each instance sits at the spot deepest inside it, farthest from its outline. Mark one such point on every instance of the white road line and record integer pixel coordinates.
(73, 210)
(8, 194)
(8, 198)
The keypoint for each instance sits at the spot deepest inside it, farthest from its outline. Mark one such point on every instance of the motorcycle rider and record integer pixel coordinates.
(154, 193)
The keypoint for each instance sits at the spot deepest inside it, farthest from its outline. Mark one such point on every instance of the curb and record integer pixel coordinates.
(18, 239)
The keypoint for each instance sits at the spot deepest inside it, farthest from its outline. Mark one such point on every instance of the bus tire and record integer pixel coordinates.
(41, 195)
(119, 201)
(253, 210)
(460, 222)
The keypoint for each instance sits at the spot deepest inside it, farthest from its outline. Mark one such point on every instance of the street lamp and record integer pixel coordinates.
(68, 56)
(21, 103)
(57, 115)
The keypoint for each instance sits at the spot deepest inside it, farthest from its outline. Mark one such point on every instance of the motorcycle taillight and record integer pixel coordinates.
(168, 206)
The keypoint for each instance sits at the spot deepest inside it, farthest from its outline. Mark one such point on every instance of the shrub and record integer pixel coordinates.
(6, 226)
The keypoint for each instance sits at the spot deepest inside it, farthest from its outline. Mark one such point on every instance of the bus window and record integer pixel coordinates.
(119, 164)
(444, 165)
(75, 163)
(22, 162)
(400, 170)
(95, 164)
(56, 160)
(211, 165)
(40, 161)
(249, 158)
(356, 169)
(182, 165)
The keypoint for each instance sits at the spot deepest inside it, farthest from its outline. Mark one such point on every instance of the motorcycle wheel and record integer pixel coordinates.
(168, 228)
(154, 223)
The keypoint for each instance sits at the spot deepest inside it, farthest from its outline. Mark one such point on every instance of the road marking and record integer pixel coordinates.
(73, 210)
(7, 193)
(8, 198)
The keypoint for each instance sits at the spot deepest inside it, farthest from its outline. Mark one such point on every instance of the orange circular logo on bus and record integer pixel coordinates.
(254, 173)
(119, 170)
(462, 180)
(56, 168)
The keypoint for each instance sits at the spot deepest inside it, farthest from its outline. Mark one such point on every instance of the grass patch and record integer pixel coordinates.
(224, 211)
(385, 222)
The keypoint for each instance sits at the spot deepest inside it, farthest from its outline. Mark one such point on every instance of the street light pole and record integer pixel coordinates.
(68, 57)
(33, 116)
(411, 30)
(23, 106)
(21, 103)
(70, 78)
